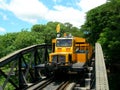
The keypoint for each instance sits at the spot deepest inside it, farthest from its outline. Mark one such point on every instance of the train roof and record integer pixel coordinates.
(77, 39)
(64, 38)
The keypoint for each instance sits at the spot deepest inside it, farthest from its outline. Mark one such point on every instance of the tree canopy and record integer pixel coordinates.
(103, 25)
(39, 34)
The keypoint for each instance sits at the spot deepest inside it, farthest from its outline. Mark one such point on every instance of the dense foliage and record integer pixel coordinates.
(39, 34)
(103, 25)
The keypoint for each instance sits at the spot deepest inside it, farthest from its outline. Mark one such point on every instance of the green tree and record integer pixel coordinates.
(25, 39)
(39, 34)
(6, 43)
(38, 28)
(102, 25)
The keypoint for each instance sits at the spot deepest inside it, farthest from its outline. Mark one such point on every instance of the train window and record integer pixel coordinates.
(77, 50)
(64, 43)
(82, 49)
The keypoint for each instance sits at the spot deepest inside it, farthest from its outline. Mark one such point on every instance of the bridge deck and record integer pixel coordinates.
(101, 75)
(100, 69)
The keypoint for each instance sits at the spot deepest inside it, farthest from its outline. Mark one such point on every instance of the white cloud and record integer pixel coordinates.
(3, 4)
(72, 15)
(34, 10)
(2, 29)
(4, 16)
(28, 10)
(65, 14)
(87, 5)
(54, 0)
(57, 1)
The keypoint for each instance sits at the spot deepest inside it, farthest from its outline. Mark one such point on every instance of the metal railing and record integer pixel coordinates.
(18, 68)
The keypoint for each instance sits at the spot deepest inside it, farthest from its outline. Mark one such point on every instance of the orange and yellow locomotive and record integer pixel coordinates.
(69, 52)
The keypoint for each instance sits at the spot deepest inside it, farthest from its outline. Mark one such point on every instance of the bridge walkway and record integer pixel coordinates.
(100, 69)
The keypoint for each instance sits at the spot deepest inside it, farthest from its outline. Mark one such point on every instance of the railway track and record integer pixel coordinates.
(72, 81)
(49, 84)
(63, 85)
(41, 85)
(90, 79)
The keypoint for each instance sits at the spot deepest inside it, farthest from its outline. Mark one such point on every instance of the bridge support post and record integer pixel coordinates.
(36, 71)
(46, 53)
(22, 80)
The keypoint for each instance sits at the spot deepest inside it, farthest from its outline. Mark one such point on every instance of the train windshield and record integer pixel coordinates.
(64, 43)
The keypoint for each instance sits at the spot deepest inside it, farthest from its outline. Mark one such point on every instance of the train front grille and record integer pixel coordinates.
(59, 59)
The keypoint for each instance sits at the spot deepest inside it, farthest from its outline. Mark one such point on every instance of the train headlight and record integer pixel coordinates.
(62, 59)
(54, 59)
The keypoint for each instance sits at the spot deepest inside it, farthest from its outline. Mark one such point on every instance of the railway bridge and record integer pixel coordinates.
(19, 69)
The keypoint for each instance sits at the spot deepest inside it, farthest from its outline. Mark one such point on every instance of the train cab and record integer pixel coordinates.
(69, 52)
(62, 51)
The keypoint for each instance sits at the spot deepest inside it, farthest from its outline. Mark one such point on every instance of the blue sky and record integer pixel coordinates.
(16, 15)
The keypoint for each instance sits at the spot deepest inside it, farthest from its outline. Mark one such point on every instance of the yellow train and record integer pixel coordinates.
(68, 52)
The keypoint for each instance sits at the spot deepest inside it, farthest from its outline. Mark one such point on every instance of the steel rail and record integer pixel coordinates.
(41, 85)
(63, 85)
